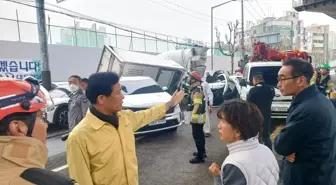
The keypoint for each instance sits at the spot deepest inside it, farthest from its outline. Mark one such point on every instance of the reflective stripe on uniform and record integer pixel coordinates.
(197, 101)
(201, 118)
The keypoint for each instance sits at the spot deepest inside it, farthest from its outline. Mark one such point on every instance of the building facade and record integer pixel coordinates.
(282, 33)
(318, 42)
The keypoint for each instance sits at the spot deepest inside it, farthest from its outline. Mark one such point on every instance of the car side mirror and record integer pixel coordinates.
(242, 82)
(165, 88)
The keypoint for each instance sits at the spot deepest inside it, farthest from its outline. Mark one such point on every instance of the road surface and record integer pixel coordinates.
(163, 158)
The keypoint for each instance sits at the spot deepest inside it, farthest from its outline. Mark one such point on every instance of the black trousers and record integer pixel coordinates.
(199, 138)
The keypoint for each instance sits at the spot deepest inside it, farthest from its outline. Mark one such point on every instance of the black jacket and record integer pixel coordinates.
(310, 133)
(262, 95)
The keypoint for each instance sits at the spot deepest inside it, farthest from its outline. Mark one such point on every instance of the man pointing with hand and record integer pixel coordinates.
(101, 148)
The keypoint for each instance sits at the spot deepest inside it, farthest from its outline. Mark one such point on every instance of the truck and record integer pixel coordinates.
(268, 61)
(264, 52)
(167, 73)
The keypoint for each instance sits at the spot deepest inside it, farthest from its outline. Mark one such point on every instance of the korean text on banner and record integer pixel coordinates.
(20, 68)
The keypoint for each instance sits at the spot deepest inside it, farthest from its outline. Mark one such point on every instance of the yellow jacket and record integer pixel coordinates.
(100, 154)
(330, 82)
(16, 155)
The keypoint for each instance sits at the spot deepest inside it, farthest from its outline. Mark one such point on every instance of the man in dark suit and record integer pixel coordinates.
(262, 95)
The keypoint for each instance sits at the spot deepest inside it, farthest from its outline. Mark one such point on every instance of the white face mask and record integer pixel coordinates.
(73, 88)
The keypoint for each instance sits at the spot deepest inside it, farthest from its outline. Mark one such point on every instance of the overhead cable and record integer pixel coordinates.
(255, 10)
(102, 22)
(194, 10)
(260, 8)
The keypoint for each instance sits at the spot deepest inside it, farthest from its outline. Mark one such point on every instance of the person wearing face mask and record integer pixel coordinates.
(78, 103)
(23, 135)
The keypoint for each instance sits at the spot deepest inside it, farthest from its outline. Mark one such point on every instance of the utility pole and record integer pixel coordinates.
(43, 40)
(242, 26)
(212, 45)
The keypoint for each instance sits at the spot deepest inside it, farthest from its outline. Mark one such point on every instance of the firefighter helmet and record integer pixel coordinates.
(325, 66)
(195, 75)
(22, 96)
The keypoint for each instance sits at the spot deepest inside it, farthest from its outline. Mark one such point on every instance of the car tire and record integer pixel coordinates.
(61, 117)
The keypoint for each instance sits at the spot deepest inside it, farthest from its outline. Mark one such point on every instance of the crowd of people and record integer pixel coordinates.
(101, 145)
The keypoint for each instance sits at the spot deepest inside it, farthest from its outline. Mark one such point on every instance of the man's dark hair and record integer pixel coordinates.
(258, 76)
(26, 117)
(300, 68)
(75, 76)
(242, 115)
(100, 84)
(85, 80)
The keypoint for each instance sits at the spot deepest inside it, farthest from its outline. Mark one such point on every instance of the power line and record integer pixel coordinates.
(260, 8)
(250, 13)
(177, 10)
(254, 9)
(101, 22)
(193, 10)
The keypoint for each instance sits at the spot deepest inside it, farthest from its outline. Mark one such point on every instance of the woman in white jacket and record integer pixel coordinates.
(248, 162)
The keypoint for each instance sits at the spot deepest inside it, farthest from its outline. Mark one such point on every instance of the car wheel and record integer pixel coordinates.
(61, 117)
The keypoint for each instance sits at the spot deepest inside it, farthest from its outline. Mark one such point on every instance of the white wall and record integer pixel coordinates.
(69, 60)
(64, 60)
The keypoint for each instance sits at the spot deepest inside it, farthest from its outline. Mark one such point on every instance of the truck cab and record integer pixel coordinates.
(270, 71)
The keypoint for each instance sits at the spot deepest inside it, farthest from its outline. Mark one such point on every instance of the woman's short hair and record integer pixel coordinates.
(242, 115)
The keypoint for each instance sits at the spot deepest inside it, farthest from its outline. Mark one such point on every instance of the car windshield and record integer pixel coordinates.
(270, 74)
(58, 93)
(140, 86)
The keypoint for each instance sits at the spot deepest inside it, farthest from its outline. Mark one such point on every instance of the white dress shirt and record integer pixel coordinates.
(208, 96)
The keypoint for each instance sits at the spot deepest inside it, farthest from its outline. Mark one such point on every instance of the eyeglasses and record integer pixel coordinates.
(289, 78)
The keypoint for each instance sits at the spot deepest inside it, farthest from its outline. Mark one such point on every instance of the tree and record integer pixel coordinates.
(231, 41)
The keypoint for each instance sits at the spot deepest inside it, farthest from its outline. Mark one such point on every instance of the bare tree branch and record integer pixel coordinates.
(231, 41)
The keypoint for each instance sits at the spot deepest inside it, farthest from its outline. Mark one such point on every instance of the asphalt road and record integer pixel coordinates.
(163, 157)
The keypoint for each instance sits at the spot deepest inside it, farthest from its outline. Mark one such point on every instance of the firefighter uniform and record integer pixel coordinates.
(78, 106)
(198, 116)
(323, 82)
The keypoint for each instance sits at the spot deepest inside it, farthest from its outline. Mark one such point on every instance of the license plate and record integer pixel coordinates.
(158, 122)
(279, 109)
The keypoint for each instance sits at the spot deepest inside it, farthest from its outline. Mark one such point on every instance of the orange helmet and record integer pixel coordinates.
(196, 75)
(20, 96)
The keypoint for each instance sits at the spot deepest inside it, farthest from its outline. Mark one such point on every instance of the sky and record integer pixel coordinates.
(182, 18)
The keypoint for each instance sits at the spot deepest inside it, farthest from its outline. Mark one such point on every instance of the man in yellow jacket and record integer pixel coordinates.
(101, 148)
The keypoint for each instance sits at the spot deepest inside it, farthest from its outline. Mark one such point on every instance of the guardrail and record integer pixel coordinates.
(25, 31)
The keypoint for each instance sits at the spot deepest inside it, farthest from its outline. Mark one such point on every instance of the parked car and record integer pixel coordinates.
(140, 93)
(59, 116)
(269, 69)
(219, 85)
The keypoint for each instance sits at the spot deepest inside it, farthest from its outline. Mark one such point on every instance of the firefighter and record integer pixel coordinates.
(198, 116)
(23, 135)
(323, 80)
